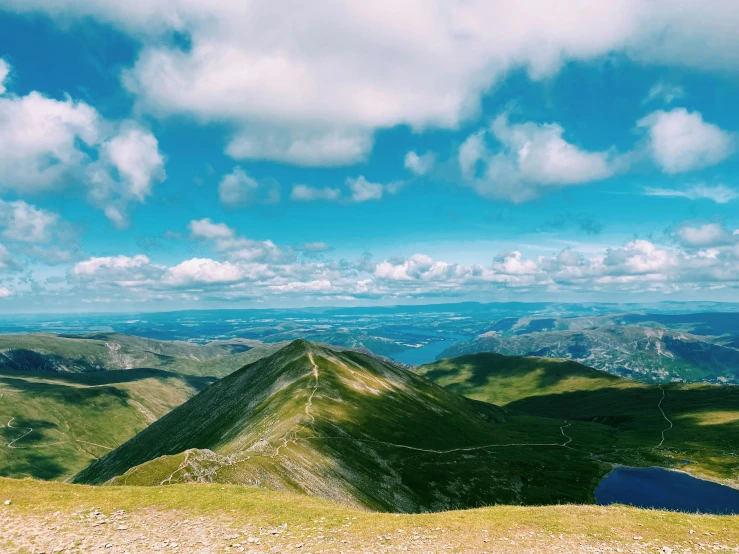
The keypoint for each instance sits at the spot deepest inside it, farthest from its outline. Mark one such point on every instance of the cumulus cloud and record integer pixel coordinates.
(4, 72)
(23, 222)
(48, 144)
(128, 166)
(705, 235)
(310, 85)
(306, 193)
(706, 256)
(531, 158)
(41, 141)
(720, 194)
(420, 165)
(680, 140)
(237, 189)
(5, 292)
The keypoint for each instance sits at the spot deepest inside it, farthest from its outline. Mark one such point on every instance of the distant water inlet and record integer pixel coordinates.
(666, 490)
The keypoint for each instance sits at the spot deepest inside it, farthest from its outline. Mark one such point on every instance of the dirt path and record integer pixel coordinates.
(9, 426)
(667, 419)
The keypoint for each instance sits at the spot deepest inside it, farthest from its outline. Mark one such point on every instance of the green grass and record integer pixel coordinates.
(705, 417)
(240, 507)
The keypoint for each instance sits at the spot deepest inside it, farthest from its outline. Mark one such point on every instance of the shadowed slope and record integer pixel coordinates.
(663, 425)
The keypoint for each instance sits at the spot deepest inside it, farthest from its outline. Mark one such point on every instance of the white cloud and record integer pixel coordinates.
(7, 261)
(305, 193)
(129, 165)
(681, 141)
(705, 235)
(720, 194)
(420, 165)
(237, 189)
(115, 268)
(40, 141)
(314, 147)
(4, 72)
(49, 144)
(5, 292)
(206, 229)
(311, 84)
(363, 190)
(532, 158)
(202, 271)
(664, 92)
(23, 222)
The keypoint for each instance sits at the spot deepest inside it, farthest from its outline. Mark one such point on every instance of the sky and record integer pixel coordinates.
(178, 154)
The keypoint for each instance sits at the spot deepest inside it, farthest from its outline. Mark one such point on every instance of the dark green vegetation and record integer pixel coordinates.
(110, 351)
(642, 353)
(700, 421)
(353, 428)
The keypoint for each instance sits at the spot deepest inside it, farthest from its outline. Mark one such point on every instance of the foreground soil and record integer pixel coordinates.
(54, 517)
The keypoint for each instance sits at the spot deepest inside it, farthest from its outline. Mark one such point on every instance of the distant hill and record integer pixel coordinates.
(113, 351)
(641, 353)
(691, 426)
(353, 428)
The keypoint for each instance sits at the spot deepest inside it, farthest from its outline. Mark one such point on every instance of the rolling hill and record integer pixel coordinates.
(352, 428)
(642, 353)
(112, 351)
(691, 426)
(66, 400)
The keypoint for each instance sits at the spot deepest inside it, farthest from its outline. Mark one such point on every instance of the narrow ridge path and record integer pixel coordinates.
(667, 419)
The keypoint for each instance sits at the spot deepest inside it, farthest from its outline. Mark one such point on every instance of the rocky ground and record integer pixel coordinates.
(169, 531)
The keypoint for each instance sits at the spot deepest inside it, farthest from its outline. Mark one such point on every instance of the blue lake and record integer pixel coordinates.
(426, 353)
(667, 490)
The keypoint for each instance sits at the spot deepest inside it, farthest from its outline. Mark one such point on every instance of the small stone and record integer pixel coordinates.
(8, 502)
(638, 538)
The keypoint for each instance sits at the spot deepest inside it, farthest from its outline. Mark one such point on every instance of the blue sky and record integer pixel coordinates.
(177, 154)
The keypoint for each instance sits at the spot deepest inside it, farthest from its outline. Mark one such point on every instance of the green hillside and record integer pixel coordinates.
(353, 428)
(111, 351)
(52, 425)
(699, 422)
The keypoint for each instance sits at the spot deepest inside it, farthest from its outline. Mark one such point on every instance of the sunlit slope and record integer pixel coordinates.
(52, 425)
(350, 427)
(699, 422)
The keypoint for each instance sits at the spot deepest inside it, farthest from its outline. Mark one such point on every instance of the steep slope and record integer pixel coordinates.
(52, 425)
(111, 351)
(353, 428)
(640, 353)
(691, 426)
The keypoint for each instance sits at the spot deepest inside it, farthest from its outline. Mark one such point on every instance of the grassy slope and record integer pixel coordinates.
(705, 417)
(79, 416)
(370, 434)
(324, 526)
(110, 351)
(61, 422)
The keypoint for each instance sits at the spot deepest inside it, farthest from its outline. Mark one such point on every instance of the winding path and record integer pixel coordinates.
(9, 426)
(667, 419)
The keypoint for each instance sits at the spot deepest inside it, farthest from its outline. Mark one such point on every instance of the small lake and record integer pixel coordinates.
(667, 490)
(427, 353)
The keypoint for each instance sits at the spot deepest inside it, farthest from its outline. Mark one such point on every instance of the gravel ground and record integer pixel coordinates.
(169, 531)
